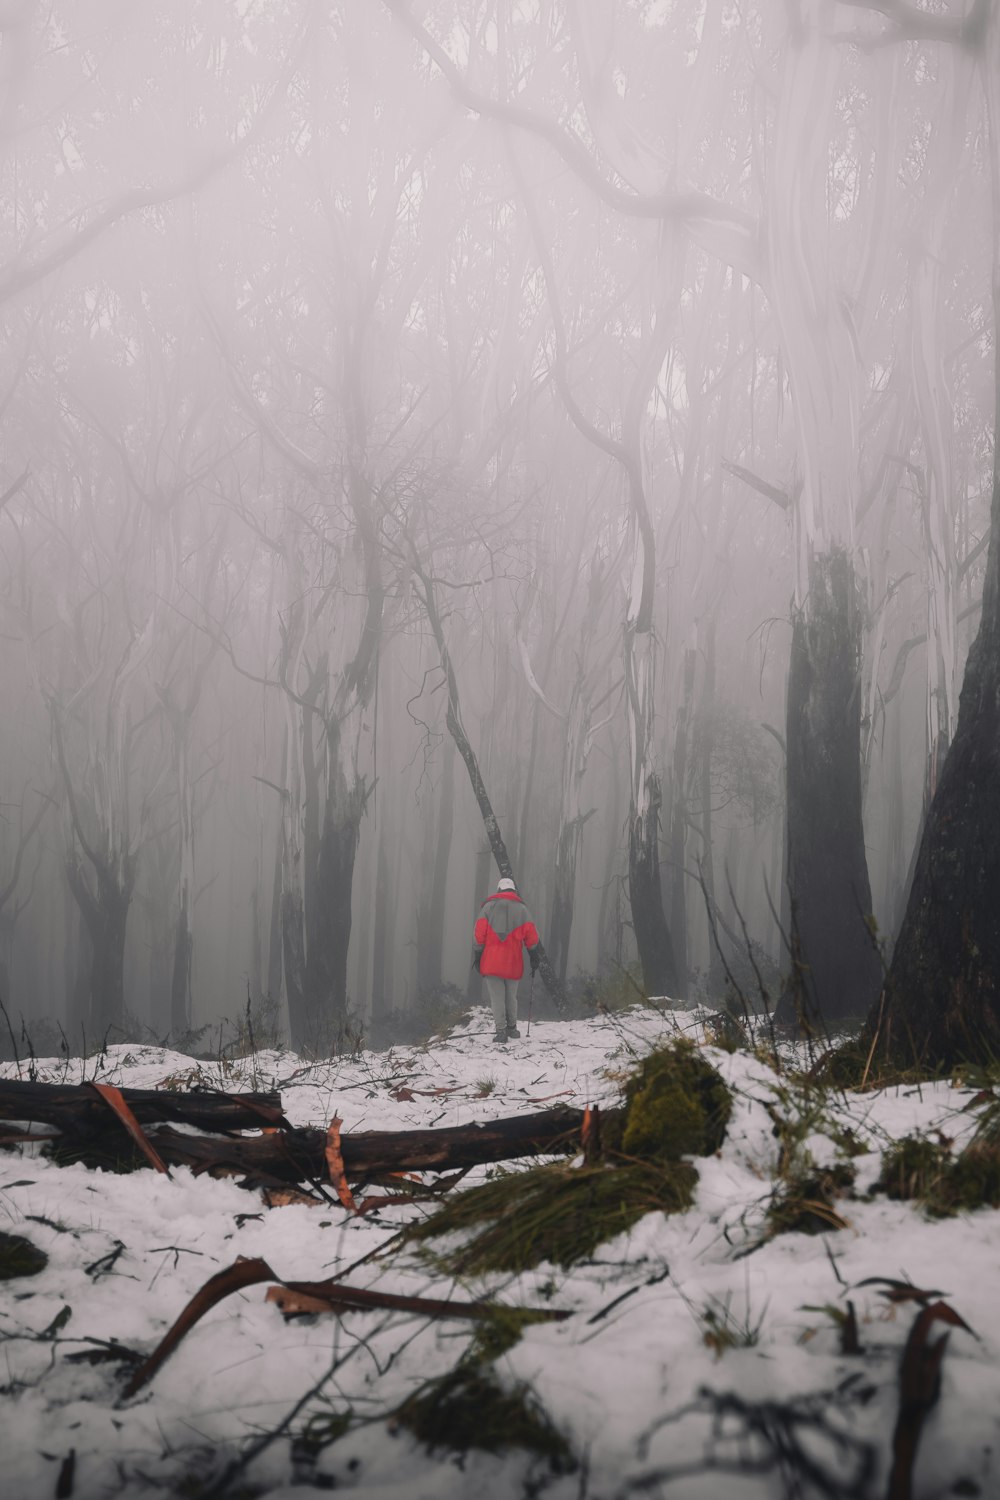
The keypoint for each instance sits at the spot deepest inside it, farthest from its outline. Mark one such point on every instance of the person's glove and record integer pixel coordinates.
(534, 959)
(475, 961)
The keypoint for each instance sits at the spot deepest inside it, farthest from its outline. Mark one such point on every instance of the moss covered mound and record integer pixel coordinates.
(468, 1408)
(676, 1104)
(19, 1257)
(555, 1213)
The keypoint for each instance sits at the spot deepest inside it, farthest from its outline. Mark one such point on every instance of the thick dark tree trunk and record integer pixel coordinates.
(105, 914)
(330, 942)
(315, 952)
(652, 936)
(941, 1000)
(836, 968)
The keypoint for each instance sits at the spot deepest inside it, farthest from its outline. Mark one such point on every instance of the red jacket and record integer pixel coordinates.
(503, 929)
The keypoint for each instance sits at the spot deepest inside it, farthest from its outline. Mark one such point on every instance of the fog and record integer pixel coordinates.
(606, 387)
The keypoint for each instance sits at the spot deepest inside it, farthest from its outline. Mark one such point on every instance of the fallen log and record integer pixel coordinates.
(90, 1132)
(78, 1106)
(299, 1155)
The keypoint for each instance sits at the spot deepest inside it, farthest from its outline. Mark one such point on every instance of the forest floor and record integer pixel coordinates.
(706, 1353)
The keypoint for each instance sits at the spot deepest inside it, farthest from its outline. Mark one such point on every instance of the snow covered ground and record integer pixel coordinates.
(686, 1364)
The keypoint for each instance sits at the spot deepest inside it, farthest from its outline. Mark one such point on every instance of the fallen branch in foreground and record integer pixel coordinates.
(294, 1297)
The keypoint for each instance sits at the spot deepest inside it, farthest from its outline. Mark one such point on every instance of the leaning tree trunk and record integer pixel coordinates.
(456, 729)
(940, 1002)
(835, 962)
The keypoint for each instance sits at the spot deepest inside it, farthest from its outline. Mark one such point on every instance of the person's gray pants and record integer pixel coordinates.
(502, 995)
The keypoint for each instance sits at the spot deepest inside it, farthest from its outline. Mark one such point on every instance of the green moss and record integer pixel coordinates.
(468, 1408)
(676, 1105)
(501, 1328)
(19, 1257)
(555, 1213)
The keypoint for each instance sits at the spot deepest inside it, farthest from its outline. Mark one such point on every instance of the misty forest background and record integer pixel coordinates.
(597, 398)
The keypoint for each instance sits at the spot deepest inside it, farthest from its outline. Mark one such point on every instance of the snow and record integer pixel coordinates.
(622, 1377)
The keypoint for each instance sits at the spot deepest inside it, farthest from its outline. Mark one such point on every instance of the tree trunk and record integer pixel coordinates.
(941, 1000)
(678, 828)
(474, 991)
(338, 850)
(457, 731)
(835, 963)
(564, 884)
(105, 914)
(652, 936)
(180, 984)
(430, 948)
(656, 953)
(381, 985)
(706, 747)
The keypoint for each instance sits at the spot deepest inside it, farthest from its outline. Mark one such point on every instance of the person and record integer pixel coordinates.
(504, 928)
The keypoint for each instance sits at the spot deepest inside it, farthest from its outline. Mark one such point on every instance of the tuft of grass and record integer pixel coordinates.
(804, 1200)
(554, 1213)
(722, 1329)
(805, 1194)
(485, 1086)
(726, 1032)
(925, 1171)
(19, 1257)
(499, 1329)
(468, 1408)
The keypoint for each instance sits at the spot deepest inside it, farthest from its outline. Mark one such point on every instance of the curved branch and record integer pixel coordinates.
(697, 211)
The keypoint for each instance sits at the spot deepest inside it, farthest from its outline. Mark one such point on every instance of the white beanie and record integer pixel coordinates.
(506, 884)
